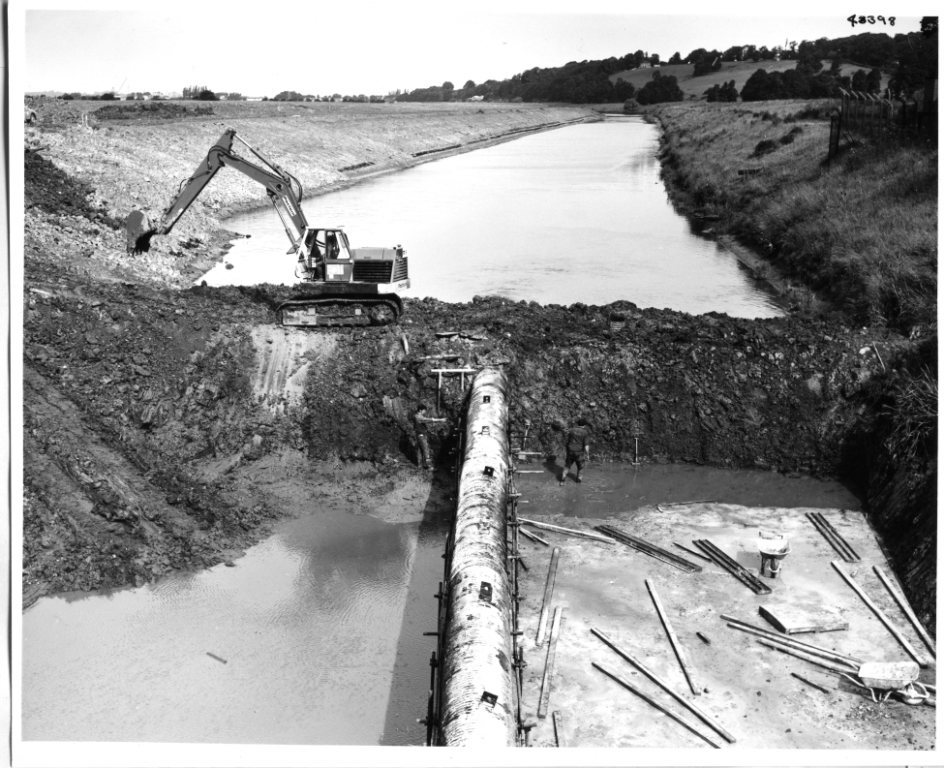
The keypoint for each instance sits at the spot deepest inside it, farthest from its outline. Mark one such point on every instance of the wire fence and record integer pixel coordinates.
(884, 119)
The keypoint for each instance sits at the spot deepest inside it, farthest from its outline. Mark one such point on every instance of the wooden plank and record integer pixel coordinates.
(794, 621)
(548, 592)
(922, 662)
(549, 664)
(652, 702)
(680, 653)
(906, 609)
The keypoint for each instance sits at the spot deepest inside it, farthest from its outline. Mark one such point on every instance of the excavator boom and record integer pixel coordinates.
(343, 285)
(283, 190)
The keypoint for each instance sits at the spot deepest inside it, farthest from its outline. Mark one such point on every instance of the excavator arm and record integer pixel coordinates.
(283, 189)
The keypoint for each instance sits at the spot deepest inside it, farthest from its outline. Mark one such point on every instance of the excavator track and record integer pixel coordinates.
(340, 311)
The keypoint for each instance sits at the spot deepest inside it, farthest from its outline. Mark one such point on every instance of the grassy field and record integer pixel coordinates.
(862, 231)
(738, 71)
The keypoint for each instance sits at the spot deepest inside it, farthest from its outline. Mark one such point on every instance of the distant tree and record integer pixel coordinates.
(660, 89)
(675, 58)
(447, 86)
(623, 90)
(706, 63)
(206, 95)
(873, 82)
(108, 96)
(725, 92)
(858, 80)
(654, 59)
(469, 85)
(761, 86)
(289, 96)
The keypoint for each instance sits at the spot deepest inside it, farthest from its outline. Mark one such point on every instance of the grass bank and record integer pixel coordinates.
(860, 234)
(861, 231)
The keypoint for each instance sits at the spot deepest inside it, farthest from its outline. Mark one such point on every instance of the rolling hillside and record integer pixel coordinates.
(739, 71)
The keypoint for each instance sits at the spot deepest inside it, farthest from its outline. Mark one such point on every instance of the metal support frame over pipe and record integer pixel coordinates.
(479, 703)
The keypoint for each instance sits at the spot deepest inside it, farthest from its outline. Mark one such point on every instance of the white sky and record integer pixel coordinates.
(363, 46)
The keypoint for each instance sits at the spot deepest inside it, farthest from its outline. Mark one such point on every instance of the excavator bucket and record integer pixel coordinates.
(139, 230)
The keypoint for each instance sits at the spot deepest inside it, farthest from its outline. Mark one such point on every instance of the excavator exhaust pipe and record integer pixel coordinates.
(139, 230)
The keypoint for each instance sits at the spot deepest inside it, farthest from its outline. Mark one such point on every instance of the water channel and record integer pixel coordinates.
(315, 637)
(578, 214)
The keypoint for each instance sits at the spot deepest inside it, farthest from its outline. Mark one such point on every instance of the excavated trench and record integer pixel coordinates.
(185, 388)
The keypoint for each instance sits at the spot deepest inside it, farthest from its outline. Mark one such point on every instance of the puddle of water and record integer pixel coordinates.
(303, 634)
(608, 489)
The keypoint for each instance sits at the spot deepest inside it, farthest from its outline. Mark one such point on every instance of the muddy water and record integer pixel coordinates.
(296, 644)
(577, 214)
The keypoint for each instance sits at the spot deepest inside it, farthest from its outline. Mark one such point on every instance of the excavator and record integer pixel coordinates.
(339, 285)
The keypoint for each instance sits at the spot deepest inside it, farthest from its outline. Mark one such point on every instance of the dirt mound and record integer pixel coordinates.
(152, 110)
(53, 191)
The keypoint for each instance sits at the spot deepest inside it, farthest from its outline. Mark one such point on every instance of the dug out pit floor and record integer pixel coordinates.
(745, 687)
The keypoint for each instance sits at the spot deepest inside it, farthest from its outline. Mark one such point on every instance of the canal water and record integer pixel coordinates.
(316, 635)
(577, 214)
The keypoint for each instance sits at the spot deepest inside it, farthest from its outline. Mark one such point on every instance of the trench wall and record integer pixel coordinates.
(478, 701)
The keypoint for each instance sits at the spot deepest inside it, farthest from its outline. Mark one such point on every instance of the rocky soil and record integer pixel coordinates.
(149, 405)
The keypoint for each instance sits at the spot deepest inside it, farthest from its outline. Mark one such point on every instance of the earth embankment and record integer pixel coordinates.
(150, 408)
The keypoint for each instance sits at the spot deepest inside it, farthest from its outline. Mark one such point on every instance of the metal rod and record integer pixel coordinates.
(832, 529)
(665, 686)
(922, 662)
(549, 663)
(834, 543)
(833, 538)
(630, 687)
(548, 592)
(692, 552)
(906, 609)
(763, 631)
(568, 531)
(800, 655)
(812, 650)
(558, 728)
(533, 537)
(680, 653)
(810, 683)
(648, 548)
(732, 566)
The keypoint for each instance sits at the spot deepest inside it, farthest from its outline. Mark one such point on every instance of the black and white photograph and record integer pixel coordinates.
(472, 384)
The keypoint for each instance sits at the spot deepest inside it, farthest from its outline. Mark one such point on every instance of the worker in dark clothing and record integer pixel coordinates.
(576, 449)
(421, 427)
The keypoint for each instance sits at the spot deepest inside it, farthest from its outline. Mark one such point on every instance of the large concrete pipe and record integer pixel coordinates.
(478, 702)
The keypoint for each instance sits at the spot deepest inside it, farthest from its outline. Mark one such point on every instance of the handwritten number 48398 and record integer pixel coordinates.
(853, 20)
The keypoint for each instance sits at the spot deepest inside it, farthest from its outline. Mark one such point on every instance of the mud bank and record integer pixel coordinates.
(149, 410)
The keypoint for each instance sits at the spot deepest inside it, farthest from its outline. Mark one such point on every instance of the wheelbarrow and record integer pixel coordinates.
(884, 679)
(773, 549)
